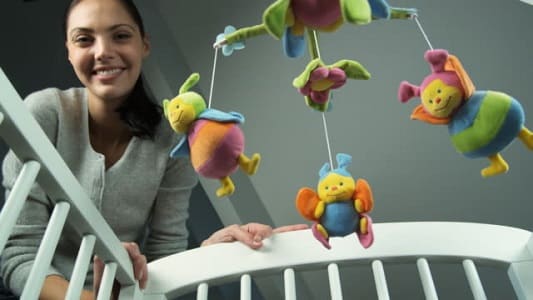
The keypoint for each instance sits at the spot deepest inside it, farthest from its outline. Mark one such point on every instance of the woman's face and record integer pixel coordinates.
(105, 48)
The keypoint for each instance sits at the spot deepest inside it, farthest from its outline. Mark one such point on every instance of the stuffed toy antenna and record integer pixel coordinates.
(340, 205)
(213, 139)
(480, 123)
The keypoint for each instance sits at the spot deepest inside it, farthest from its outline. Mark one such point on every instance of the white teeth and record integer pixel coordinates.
(108, 72)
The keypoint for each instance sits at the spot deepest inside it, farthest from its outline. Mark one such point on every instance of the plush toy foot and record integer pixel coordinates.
(227, 187)
(250, 166)
(356, 11)
(526, 136)
(497, 166)
(320, 234)
(366, 233)
(293, 44)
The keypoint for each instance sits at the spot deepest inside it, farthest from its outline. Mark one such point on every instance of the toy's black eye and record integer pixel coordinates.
(177, 106)
(341, 183)
(438, 91)
(327, 187)
(430, 101)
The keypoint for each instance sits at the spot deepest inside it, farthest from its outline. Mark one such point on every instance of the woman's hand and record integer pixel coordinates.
(138, 260)
(251, 234)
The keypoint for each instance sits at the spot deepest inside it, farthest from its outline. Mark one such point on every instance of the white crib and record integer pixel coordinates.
(284, 255)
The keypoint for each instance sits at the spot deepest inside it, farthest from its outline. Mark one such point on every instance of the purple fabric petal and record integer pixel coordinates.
(306, 89)
(318, 74)
(319, 97)
(337, 74)
(338, 84)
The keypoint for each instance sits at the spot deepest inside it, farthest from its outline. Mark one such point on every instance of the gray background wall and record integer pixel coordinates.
(414, 170)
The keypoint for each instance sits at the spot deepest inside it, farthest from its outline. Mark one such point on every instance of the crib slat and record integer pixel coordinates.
(108, 278)
(43, 259)
(17, 197)
(334, 282)
(473, 280)
(426, 279)
(380, 280)
(202, 291)
(246, 287)
(290, 284)
(80, 267)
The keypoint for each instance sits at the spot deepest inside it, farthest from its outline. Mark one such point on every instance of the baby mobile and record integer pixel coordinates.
(480, 123)
(341, 203)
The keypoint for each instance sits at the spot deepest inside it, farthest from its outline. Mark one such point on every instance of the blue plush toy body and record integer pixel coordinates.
(486, 123)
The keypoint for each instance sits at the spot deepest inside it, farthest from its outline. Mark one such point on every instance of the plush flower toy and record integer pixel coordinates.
(480, 123)
(213, 139)
(340, 205)
(290, 20)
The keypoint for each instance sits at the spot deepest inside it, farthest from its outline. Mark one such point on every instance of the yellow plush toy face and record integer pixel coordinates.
(180, 114)
(336, 187)
(441, 100)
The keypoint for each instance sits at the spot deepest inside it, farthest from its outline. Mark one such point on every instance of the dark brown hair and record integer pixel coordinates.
(140, 113)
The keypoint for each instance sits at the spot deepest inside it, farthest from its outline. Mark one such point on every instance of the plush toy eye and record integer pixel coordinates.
(438, 91)
(327, 188)
(430, 101)
(177, 106)
(341, 183)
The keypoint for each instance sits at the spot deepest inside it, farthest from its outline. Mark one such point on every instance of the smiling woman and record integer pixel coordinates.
(109, 133)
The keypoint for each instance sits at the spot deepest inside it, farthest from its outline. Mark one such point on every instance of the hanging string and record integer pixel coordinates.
(314, 51)
(423, 32)
(327, 139)
(213, 77)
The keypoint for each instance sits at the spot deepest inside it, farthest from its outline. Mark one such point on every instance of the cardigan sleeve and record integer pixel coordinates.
(21, 248)
(167, 228)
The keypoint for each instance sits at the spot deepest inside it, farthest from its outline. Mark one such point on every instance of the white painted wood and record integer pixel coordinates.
(427, 280)
(473, 280)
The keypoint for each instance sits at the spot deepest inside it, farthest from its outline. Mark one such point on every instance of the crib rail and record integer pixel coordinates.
(42, 164)
(419, 242)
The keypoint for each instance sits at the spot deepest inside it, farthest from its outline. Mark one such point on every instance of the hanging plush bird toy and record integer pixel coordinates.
(340, 205)
(480, 123)
(213, 139)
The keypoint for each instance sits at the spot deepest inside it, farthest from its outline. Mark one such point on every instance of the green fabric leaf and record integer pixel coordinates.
(316, 106)
(356, 11)
(353, 69)
(302, 79)
(245, 33)
(274, 17)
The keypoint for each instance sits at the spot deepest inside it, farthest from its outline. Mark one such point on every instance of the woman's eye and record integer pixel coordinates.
(122, 36)
(82, 39)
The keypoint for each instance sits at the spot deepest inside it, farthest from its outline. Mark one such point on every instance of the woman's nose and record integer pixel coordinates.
(103, 49)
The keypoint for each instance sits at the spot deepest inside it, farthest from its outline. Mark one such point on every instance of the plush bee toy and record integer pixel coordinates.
(340, 205)
(213, 139)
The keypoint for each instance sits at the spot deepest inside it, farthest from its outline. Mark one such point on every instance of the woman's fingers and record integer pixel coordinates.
(293, 227)
(98, 270)
(251, 234)
(140, 267)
